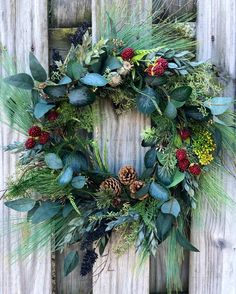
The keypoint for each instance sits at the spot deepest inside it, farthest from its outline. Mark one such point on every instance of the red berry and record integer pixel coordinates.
(30, 143)
(127, 53)
(155, 70)
(183, 164)
(181, 154)
(43, 139)
(53, 115)
(163, 62)
(184, 134)
(34, 131)
(195, 169)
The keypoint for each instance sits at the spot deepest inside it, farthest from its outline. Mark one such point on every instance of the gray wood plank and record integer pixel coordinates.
(213, 269)
(23, 26)
(67, 14)
(121, 135)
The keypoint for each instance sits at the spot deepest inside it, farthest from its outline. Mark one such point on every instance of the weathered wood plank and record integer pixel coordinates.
(68, 14)
(213, 269)
(177, 7)
(121, 135)
(23, 26)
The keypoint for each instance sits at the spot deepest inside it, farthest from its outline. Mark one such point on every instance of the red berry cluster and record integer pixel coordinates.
(184, 134)
(127, 54)
(184, 163)
(36, 135)
(52, 115)
(158, 68)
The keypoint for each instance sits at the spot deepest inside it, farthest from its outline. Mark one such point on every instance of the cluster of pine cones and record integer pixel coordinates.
(127, 177)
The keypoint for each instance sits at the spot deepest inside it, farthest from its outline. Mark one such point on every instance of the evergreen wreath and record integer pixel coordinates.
(63, 181)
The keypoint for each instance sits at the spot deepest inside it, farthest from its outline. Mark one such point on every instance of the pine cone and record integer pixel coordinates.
(111, 184)
(127, 175)
(135, 187)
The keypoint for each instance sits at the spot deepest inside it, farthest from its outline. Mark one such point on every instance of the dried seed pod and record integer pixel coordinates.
(114, 79)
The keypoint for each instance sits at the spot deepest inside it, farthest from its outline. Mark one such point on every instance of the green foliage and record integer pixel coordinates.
(70, 262)
(22, 205)
(37, 71)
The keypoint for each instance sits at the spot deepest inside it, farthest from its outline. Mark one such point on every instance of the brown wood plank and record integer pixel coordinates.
(121, 135)
(23, 26)
(213, 269)
(68, 14)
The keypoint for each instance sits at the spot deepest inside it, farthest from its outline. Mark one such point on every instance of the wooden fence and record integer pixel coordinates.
(24, 26)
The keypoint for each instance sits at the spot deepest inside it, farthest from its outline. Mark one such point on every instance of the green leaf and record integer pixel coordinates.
(181, 239)
(157, 191)
(70, 262)
(177, 104)
(81, 96)
(21, 80)
(218, 105)
(143, 191)
(67, 209)
(161, 157)
(65, 80)
(65, 176)
(78, 182)
(46, 211)
(75, 70)
(171, 207)
(181, 93)
(22, 205)
(147, 101)
(172, 65)
(55, 91)
(112, 63)
(164, 224)
(162, 176)
(178, 178)
(194, 113)
(112, 34)
(150, 158)
(53, 161)
(94, 79)
(156, 81)
(170, 111)
(41, 109)
(37, 71)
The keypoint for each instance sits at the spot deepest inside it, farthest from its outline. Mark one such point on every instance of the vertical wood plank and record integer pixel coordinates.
(213, 269)
(68, 14)
(23, 27)
(121, 135)
(177, 7)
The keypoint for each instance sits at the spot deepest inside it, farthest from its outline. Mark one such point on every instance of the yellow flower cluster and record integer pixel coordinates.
(204, 146)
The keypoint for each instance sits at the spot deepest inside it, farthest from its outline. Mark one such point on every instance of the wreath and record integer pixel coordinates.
(62, 179)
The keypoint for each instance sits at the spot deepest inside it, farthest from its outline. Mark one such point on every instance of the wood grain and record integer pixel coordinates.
(177, 7)
(23, 27)
(213, 269)
(68, 14)
(121, 135)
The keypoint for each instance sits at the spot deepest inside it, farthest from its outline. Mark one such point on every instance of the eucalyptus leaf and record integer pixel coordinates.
(22, 204)
(78, 182)
(171, 207)
(183, 241)
(81, 96)
(21, 80)
(75, 70)
(159, 192)
(170, 111)
(46, 211)
(94, 79)
(177, 104)
(53, 161)
(65, 176)
(41, 109)
(112, 63)
(164, 223)
(65, 80)
(156, 81)
(150, 158)
(55, 91)
(172, 65)
(37, 70)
